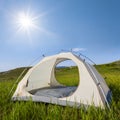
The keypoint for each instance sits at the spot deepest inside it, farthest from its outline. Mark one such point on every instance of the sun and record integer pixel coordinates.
(25, 22)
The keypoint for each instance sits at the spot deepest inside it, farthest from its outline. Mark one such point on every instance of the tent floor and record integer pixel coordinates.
(58, 92)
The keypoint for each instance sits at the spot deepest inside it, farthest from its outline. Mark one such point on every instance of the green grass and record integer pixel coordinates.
(41, 111)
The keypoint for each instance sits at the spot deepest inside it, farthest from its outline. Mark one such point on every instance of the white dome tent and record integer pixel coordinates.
(40, 84)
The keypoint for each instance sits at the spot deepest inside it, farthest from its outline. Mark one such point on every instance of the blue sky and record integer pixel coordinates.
(90, 26)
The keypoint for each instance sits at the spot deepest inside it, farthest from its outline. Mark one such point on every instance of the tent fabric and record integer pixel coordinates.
(92, 88)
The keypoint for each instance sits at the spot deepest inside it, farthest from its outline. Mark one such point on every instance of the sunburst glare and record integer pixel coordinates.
(26, 22)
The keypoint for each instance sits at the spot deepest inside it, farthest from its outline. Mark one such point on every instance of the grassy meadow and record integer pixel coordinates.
(40, 111)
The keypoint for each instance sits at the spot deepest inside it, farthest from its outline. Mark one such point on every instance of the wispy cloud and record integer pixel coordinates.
(78, 49)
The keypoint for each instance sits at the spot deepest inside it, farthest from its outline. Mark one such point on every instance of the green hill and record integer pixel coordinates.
(12, 74)
(38, 111)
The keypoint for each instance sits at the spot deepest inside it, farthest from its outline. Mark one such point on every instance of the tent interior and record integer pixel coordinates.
(62, 90)
(57, 92)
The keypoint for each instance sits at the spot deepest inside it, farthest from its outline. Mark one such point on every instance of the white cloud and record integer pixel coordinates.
(78, 49)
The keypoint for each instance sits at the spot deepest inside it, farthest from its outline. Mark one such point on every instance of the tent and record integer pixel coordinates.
(40, 84)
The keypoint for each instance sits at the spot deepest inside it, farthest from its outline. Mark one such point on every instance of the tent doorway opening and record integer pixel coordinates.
(66, 73)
